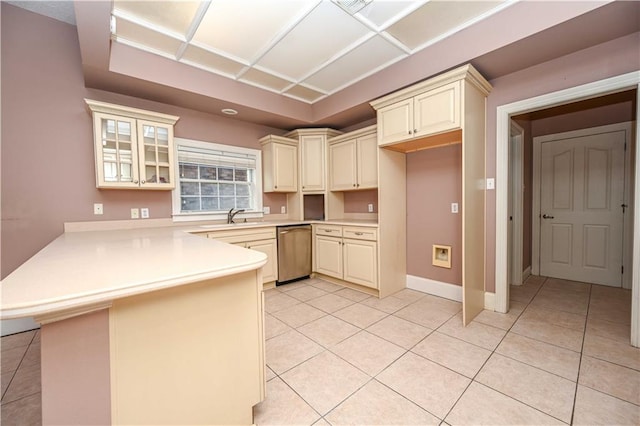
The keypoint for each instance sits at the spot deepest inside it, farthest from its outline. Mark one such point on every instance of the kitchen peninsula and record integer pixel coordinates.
(144, 326)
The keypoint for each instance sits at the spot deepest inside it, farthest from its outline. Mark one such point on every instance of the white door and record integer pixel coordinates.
(581, 215)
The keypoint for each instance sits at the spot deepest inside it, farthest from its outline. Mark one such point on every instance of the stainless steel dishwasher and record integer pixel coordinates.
(294, 253)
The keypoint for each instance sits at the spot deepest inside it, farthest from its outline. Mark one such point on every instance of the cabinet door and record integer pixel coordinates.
(155, 150)
(360, 262)
(343, 171)
(115, 151)
(312, 169)
(367, 162)
(329, 256)
(395, 122)
(268, 247)
(285, 168)
(437, 110)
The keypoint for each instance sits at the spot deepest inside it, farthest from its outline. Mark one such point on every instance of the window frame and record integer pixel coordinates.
(179, 216)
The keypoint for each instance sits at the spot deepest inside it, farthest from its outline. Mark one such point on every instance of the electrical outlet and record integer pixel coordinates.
(370, 208)
(144, 213)
(491, 183)
(135, 213)
(454, 207)
(97, 208)
(266, 210)
(283, 209)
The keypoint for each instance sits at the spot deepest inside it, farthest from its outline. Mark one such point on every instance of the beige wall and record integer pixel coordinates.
(48, 175)
(434, 181)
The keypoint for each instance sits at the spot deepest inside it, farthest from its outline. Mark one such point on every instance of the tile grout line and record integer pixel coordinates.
(584, 335)
(473, 379)
(17, 368)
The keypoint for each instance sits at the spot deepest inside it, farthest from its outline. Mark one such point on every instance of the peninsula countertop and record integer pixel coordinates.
(88, 268)
(83, 269)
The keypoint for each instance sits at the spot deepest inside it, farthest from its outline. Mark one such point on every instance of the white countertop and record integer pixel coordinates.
(87, 268)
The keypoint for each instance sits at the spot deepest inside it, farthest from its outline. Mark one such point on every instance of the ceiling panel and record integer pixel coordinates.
(152, 40)
(304, 93)
(367, 58)
(172, 15)
(204, 59)
(382, 13)
(245, 28)
(435, 19)
(314, 41)
(259, 78)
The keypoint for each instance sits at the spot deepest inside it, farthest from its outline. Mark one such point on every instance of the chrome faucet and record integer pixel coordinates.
(232, 214)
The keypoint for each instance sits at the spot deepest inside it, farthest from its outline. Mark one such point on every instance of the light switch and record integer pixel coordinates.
(454, 207)
(266, 210)
(491, 183)
(144, 213)
(370, 208)
(283, 209)
(135, 213)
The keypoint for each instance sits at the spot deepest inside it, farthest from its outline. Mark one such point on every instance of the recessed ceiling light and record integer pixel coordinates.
(229, 111)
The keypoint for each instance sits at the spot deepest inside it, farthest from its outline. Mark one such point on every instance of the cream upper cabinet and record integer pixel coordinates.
(280, 164)
(133, 148)
(429, 112)
(312, 145)
(353, 160)
(313, 163)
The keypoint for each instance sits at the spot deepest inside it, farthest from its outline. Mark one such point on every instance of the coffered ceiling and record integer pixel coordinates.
(303, 49)
(298, 63)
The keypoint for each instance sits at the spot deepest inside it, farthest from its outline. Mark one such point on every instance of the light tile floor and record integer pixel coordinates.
(560, 356)
(336, 356)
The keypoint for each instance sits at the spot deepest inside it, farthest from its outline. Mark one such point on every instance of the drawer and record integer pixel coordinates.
(244, 235)
(328, 230)
(360, 233)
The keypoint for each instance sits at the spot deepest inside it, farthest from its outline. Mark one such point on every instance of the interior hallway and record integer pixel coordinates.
(337, 356)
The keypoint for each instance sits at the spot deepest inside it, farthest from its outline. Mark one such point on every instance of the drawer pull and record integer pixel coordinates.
(328, 230)
(359, 233)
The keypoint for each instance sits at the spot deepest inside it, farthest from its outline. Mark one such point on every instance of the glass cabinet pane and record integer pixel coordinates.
(163, 136)
(117, 144)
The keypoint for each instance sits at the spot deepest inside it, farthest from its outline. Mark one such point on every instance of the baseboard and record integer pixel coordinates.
(489, 301)
(526, 273)
(436, 288)
(446, 290)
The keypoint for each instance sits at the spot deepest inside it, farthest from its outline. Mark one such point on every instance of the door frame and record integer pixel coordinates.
(516, 159)
(535, 212)
(628, 81)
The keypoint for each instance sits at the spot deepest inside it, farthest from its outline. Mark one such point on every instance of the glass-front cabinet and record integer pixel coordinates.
(133, 148)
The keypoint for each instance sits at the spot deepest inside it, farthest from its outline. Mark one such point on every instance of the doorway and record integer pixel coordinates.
(617, 84)
(579, 204)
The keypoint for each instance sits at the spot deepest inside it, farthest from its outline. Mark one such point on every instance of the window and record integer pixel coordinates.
(214, 178)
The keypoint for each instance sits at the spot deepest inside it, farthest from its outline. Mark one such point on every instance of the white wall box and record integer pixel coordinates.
(133, 147)
(353, 160)
(446, 109)
(279, 164)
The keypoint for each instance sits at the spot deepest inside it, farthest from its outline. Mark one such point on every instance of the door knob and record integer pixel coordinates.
(545, 216)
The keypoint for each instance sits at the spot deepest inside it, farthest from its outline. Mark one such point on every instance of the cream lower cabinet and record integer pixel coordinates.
(348, 253)
(259, 239)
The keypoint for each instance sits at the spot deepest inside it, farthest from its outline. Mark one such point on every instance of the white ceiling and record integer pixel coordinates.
(62, 10)
(303, 49)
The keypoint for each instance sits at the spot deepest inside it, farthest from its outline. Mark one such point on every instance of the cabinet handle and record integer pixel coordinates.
(415, 131)
(328, 230)
(409, 131)
(276, 187)
(354, 184)
(359, 233)
(135, 181)
(143, 182)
